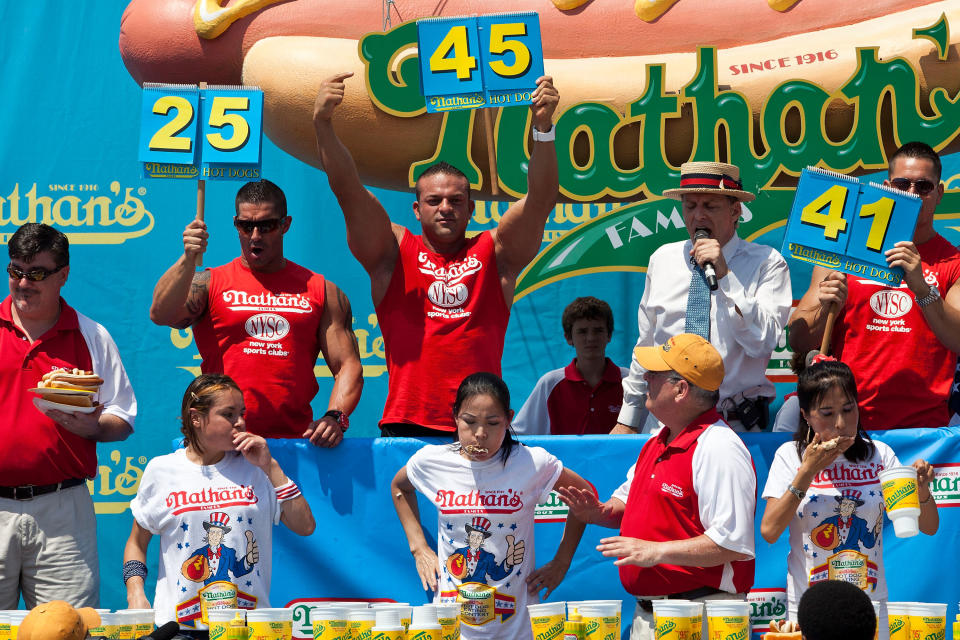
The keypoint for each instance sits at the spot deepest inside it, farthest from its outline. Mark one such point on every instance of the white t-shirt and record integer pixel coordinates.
(483, 507)
(823, 544)
(194, 508)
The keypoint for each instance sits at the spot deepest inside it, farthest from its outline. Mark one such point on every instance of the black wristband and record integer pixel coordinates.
(133, 568)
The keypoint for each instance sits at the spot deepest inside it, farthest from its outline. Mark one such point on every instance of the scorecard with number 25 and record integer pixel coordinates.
(839, 223)
(485, 61)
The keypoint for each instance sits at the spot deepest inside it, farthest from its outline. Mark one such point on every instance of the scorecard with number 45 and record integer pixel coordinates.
(485, 61)
(839, 223)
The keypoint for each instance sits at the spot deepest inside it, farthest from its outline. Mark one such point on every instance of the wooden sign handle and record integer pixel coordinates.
(491, 151)
(201, 195)
(828, 329)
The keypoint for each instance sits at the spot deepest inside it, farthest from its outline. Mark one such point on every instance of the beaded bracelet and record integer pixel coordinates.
(133, 568)
(287, 491)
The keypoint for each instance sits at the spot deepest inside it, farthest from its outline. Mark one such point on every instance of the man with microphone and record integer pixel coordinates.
(734, 293)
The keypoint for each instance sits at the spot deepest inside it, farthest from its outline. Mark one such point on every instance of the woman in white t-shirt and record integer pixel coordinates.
(485, 487)
(828, 493)
(213, 504)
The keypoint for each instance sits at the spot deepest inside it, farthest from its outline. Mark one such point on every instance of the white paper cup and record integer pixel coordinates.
(900, 497)
(928, 619)
(898, 620)
(546, 619)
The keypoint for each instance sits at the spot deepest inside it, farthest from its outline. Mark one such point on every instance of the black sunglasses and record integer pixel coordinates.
(921, 186)
(35, 275)
(246, 227)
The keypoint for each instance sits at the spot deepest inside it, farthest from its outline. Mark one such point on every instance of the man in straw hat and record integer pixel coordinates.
(734, 293)
(685, 512)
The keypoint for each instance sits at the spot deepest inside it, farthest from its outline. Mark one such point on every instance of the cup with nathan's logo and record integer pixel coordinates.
(728, 619)
(547, 620)
(270, 624)
(677, 620)
(600, 619)
(898, 619)
(329, 623)
(901, 499)
(928, 620)
(448, 614)
(228, 624)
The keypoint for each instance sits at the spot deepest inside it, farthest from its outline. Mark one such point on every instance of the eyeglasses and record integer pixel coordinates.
(921, 186)
(246, 227)
(34, 275)
(670, 376)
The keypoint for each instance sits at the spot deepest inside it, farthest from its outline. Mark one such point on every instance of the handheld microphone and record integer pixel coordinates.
(708, 271)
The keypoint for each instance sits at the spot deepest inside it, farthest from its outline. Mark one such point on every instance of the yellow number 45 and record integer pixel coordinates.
(453, 54)
(833, 223)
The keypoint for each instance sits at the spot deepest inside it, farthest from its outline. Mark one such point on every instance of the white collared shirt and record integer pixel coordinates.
(757, 283)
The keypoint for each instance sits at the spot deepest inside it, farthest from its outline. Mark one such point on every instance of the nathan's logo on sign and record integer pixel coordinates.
(766, 605)
(891, 303)
(267, 326)
(945, 486)
(117, 479)
(86, 213)
(553, 510)
(770, 137)
(494, 501)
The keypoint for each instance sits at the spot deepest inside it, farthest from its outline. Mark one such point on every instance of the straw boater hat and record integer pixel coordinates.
(710, 177)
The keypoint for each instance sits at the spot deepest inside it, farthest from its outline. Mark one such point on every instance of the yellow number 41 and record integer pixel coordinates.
(453, 54)
(833, 223)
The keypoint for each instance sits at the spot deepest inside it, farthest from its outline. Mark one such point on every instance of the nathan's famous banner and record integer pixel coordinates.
(359, 550)
(810, 82)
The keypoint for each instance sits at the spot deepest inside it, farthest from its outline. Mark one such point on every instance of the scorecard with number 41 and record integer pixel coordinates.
(839, 223)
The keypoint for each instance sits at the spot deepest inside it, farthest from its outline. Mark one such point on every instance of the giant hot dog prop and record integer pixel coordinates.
(597, 51)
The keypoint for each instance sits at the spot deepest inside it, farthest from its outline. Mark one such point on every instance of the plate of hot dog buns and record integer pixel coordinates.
(71, 390)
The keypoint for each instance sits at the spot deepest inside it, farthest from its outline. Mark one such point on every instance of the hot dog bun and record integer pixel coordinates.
(71, 400)
(76, 379)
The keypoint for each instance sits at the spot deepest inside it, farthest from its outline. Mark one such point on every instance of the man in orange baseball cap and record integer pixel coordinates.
(685, 512)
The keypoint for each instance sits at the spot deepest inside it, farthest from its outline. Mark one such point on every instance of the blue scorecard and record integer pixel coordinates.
(486, 61)
(839, 223)
(210, 134)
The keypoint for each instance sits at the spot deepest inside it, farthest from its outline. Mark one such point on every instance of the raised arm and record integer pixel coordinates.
(180, 297)
(520, 233)
(405, 502)
(338, 344)
(810, 317)
(372, 238)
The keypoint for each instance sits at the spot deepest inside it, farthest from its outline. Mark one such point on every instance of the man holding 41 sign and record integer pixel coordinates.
(899, 338)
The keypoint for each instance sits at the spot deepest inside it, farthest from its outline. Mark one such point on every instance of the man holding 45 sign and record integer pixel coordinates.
(900, 341)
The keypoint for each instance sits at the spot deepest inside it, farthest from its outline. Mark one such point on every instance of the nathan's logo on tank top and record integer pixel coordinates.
(211, 498)
(859, 475)
(891, 303)
(448, 291)
(476, 501)
(266, 302)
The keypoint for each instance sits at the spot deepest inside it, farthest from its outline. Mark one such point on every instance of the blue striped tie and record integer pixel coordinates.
(698, 304)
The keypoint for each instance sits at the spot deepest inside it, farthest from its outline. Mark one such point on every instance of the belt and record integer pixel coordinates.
(646, 603)
(31, 491)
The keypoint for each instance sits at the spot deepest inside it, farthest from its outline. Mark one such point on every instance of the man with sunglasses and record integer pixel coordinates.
(263, 320)
(900, 342)
(47, 524)
(442, 299)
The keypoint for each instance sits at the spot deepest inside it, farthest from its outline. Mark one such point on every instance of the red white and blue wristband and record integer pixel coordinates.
(287, 491)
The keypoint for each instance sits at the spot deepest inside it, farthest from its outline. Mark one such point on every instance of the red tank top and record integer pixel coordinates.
(902, 370)
(261, 330)
(442, 318)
